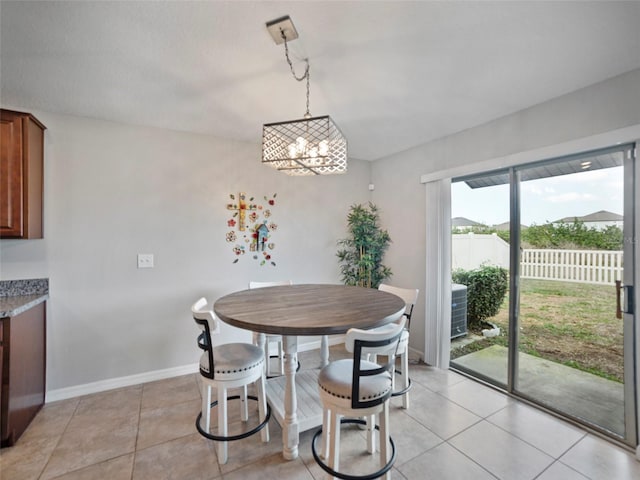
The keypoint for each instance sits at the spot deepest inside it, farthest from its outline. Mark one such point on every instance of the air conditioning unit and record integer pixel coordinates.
(458, 310)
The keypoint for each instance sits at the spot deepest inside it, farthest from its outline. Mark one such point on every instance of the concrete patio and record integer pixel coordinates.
(588, 397)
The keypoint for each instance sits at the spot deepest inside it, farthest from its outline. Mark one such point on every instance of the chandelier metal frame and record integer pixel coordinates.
(306, 146)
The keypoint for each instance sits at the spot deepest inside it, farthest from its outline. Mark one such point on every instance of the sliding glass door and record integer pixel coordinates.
(479, 243)
(563, 337)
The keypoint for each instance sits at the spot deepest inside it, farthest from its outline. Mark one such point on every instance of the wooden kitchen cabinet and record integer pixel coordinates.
(1, 376)
(21, 175)
(23, 371)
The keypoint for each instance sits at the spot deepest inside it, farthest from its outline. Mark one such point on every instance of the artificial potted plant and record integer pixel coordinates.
(361, 253)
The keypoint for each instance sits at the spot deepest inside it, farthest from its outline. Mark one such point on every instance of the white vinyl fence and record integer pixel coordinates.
(585, 266)
(470, 251)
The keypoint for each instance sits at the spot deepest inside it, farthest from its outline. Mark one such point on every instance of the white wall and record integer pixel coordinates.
(597, 116)
(113, 191)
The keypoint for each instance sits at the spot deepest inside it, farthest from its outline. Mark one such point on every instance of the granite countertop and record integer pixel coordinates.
(18, 296)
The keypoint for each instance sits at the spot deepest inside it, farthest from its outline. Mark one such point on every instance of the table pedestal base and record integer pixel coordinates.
(309, 406)
(294, 399)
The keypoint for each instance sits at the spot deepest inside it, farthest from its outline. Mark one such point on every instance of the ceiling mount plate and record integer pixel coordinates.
(282, 25)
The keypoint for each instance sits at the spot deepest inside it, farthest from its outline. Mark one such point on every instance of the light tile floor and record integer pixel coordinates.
(455, 429)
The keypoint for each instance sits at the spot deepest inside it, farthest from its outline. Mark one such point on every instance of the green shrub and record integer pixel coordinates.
(565, 236)
(486, 289)
(572, 236)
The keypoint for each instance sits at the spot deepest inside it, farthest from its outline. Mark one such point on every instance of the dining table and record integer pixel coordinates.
(304, 310)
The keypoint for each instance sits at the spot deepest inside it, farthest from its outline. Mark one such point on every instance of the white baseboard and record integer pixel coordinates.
(119, 382)
(152, 376)
(333, 340)
(415, 353)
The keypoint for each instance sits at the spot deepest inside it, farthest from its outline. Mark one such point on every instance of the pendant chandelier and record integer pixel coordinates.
(309, 145)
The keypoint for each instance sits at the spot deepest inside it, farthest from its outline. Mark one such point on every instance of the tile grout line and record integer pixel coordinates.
(584, 434)
(104, 460)
(135, 444)
(523, 441)
(405, 412)
(486, 418)
(44, 467)
(198, 380)
(467, 409)
(564, 464)
(467, 456)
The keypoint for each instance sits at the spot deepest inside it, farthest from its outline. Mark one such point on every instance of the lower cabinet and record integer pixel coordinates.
(22, 363)
(1, 378)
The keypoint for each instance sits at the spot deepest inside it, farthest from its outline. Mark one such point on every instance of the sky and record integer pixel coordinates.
(543, 200)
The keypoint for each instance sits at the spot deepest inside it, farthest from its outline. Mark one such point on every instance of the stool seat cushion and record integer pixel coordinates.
(336, 380)
(234, 359)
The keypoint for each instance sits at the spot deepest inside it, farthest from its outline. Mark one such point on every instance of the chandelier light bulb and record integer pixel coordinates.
(301, 145)
(293, 151)
(323, 148)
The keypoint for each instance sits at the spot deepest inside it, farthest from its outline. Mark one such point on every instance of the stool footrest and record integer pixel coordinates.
(398, 393)
(229, 438)
(345, 476)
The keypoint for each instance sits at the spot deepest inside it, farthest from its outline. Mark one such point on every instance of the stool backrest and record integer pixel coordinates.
(409, 295)
(374, 341)
(208, 323)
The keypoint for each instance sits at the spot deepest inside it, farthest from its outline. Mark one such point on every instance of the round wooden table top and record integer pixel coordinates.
(317, 309)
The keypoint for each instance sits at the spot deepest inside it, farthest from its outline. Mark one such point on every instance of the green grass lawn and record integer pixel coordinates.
(569, 323)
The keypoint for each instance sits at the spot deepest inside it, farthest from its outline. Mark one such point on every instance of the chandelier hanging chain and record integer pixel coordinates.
(307, 72)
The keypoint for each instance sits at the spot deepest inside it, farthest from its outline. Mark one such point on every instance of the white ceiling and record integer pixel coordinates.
(392, 74)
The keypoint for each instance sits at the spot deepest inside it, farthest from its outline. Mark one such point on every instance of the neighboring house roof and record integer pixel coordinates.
(464, 222)
(600, 216)
(506, 226)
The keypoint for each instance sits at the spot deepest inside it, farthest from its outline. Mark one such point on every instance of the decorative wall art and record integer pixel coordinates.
(251, 228)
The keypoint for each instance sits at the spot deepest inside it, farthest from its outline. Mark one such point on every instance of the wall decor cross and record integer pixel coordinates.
(241, 208)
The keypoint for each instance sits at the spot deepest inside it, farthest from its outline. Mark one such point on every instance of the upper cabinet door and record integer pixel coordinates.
(21, 175)
(11, 175)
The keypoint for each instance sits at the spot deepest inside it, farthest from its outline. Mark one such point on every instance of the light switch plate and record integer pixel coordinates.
(145, 260)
